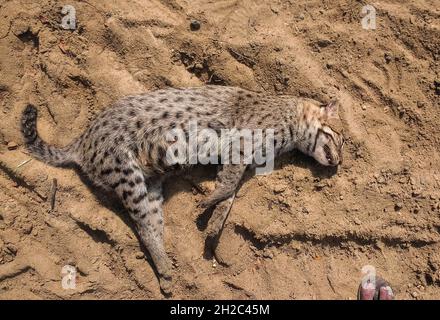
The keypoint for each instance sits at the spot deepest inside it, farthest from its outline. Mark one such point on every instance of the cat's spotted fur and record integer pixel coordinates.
(124, 148)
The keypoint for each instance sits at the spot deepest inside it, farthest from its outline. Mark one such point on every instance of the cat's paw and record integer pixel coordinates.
(166, 285)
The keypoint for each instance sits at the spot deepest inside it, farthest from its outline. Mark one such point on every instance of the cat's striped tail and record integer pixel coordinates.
(38, 148)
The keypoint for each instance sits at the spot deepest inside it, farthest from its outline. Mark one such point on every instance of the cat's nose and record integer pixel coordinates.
(336, 162)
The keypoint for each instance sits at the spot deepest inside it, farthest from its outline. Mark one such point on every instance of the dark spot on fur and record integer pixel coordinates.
(161, 152)
(135, 149)
(93, 156)
(115, 185)
(140, 198)
(126, 193)
(138, 180)
(127, 171)
(106, 171)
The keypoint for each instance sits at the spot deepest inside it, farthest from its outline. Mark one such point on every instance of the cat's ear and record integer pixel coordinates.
(330, 110)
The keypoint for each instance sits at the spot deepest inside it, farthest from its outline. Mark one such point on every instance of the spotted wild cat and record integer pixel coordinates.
(125, 148)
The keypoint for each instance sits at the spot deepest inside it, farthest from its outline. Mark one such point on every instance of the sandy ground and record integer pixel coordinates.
(302, 232)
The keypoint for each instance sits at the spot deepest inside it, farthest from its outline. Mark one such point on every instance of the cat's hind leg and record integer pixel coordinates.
(143, 200)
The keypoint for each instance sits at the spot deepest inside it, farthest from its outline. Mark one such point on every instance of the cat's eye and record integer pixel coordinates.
(327, 151)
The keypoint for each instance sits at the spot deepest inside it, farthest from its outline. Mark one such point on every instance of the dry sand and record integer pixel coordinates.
(301, 232)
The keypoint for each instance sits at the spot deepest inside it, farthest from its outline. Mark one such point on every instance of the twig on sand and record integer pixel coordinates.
(23, 163)
(331, 283)
(53, 192)
(14, 176)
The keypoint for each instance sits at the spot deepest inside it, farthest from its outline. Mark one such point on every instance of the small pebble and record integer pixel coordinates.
(195, 25)
(388, 58)
(324, 43)
(416, 193)
(437, 87)
(139, 255)
(12, 145)
(279, 188)
(11, 248)
(381, 180)
(268, 254)
(27, 228)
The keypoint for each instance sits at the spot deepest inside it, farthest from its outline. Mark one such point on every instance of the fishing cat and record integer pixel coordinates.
(125, 148)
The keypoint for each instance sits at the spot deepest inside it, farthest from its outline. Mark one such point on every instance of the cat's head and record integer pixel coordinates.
(320, 140)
